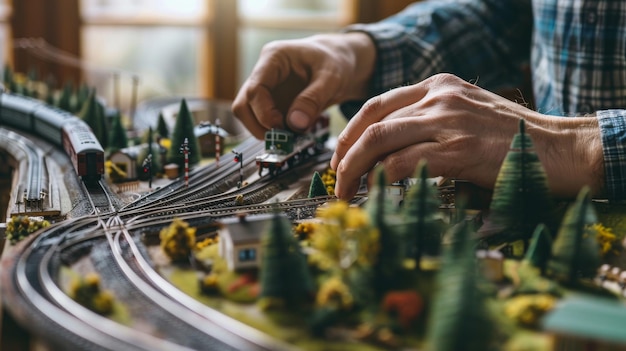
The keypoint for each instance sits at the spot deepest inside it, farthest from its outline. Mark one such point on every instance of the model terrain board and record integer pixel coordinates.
(155, 247)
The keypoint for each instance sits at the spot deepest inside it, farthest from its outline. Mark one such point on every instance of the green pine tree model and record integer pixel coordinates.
(576, 253)
(521, 199)
(388, 258)
(65, 100)
(284, 271)
(162, 129)
(422, 230)
(7, 76)
(117, 138)
(540, 248)
(183, 129)
(460, 319)
(317, 187)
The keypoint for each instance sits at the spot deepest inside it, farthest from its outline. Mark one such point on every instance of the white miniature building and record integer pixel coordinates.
(240, 240)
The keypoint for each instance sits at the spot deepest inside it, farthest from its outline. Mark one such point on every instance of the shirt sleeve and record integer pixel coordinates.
(484, 41)
(613, 130)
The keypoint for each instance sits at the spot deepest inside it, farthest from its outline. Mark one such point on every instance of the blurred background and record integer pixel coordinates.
(199, 48)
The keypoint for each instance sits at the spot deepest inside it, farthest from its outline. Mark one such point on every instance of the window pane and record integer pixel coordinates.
(191, 10)
(167, 60)
(289, 8)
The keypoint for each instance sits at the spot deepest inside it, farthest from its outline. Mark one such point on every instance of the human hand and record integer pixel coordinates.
(295, 80)
(464, 132)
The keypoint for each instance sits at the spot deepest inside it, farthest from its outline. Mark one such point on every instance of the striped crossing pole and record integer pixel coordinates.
(185, 150)
(218, 146)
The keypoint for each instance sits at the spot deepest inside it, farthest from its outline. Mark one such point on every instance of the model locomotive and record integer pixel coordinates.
(59, 127)
(283, 147)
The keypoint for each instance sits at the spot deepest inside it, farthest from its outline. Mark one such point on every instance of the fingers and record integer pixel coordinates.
(374, 111)
(314, 99)
(377, 142)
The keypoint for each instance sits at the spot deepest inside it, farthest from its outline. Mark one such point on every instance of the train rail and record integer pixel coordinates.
(99, 198)
(34, 190)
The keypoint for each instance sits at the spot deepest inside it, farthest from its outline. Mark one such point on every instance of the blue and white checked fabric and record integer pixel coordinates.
(576, 50)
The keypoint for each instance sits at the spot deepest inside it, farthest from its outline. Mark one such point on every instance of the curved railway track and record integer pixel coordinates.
(111, 240)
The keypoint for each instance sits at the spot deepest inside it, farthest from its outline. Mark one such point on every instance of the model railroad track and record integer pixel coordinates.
(100, 199)
(257, 192)
(200, 320)
(39, 302)
(206, 184)
(36, 180)
(199, 179)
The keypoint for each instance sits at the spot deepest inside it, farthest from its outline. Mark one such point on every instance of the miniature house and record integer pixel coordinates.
(587, 324)
(126, 160)
(207, 135)
(240, 240)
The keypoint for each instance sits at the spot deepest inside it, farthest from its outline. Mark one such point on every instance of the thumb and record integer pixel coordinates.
(306, 107)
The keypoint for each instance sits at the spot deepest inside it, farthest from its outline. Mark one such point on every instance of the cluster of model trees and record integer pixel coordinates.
(107, 124)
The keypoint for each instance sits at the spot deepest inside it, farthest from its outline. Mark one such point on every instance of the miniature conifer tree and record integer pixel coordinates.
(388, 258)
(162, 129)
(50, 82)
(521, 199)
(82, 95)
(178, 240)
(575, 253)
(422, 230)
(317, 187)
(91, 114)
(65, 100)
(540, 248)
(117, 139)
(7, 75)
(183, 129)
(459, 319)
(284, 272)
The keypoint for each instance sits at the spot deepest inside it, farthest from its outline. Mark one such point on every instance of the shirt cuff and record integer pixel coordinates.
(613, 131)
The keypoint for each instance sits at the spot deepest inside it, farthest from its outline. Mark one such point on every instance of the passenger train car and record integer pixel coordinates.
(283, 147)
(60, 128)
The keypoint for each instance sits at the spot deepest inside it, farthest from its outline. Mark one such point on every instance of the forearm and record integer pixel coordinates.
(483, 41)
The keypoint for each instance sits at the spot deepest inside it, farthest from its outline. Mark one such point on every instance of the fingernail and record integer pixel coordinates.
(298, 120)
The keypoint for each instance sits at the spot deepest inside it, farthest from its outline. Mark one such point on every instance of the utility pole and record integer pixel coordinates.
(184, 149)
(239, 158)
(218, 147)
(147, 168)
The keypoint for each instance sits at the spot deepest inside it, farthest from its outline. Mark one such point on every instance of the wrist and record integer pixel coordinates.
(571, 151)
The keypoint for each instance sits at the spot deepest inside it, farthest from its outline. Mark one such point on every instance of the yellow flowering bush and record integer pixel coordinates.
(334, 292)
(19, 227)
(527, 310)
(87, 292)
(606, 238)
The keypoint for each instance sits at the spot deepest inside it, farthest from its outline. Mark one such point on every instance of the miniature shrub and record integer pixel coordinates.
(19, 227)
(87, 292)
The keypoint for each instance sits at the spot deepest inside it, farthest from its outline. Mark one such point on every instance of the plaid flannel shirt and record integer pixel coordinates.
(576, 50)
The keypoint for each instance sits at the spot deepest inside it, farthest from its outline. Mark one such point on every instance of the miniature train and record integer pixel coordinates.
(59, 127)
(283, 147)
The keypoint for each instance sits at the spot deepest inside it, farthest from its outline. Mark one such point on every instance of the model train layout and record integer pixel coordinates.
(232, 258)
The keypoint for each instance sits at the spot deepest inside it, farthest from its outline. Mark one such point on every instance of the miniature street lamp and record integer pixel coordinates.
(147, 168)
(239, 158)
(184, 149)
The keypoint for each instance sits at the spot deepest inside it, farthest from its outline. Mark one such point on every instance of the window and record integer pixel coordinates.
(160, 43)
(5, 11)
(247, 255)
